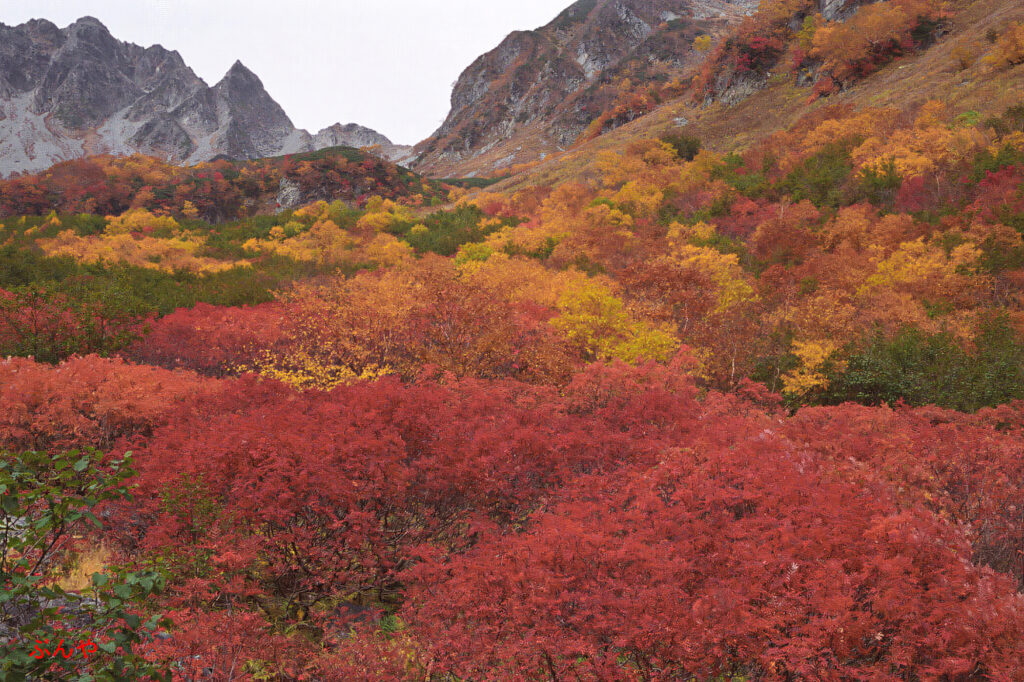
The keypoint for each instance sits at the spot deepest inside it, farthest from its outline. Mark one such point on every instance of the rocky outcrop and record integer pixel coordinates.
(289, 194)
(350, 135)
(71, 92)
(835, 10)
(539, 90)
(355, 135)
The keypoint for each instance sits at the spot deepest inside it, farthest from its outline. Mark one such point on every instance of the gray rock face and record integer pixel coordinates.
(547, 84)
(289, 194)
(834, 10)
(355, 135)
(71, 92)
(350, 135)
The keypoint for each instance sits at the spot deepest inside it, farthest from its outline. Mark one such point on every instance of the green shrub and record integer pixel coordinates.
(446, 230)
(686, 146)
(987, 162)
(821, 177)
(46, 499)
(934, 369)
(1011, 120)
(732, 172)
(880, 186)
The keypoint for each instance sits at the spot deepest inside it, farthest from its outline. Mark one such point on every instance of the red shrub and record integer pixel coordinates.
(967, 468)
(87, 401)
(740, 554)
(264, 493)
(209, 339)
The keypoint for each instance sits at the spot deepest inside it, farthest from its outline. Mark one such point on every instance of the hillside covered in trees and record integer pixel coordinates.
(730, 390)
(216, 191)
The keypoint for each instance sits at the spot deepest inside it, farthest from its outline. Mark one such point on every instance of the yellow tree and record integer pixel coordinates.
(596, 321)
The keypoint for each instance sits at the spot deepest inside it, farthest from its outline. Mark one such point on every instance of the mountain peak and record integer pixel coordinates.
(89, 21)
(35, 24)
(239, 67)
(108, 96)
(352, 135)
(88, 25)
(240, 75)
(539, 91)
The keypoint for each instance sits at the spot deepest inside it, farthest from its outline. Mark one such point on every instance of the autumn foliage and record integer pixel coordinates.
(667, 413)
(217, 190)
(86, 401)
(621, 527)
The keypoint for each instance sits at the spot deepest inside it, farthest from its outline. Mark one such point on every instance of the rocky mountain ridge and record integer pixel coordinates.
(77, 91)
(538, 91)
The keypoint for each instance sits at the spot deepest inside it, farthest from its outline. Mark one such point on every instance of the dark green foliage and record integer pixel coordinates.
(949, 241)
(470, 183)
(821, 177)
(147, 290)
(751, 185)
(987, 162)
(446, 230)
(880, 186)
(46, 500)
(734, 173)
(349, 153)
(686, 146)
(996, 257)
(934, 369)
(925, 31)
(84, 224)
(19, 267)
(1010, 217)
(1011, 120)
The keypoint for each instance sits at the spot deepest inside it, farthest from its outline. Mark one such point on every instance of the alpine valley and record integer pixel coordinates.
(689, 348)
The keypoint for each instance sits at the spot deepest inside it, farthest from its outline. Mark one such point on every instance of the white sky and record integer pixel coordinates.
(386, 64)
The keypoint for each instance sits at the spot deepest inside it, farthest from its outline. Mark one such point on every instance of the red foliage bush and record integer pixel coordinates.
(287, 501)
(209, 339)
(617, 529)
(87, 401)
(740, 554)
(50, 326)
(229, 646)
(1000, 195)
(963, 467)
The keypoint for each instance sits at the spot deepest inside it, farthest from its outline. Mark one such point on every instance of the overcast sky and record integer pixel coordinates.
(386, 64)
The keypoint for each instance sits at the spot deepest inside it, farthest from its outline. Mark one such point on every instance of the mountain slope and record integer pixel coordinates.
(77, 91)
(538, 91)
(732, 126)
